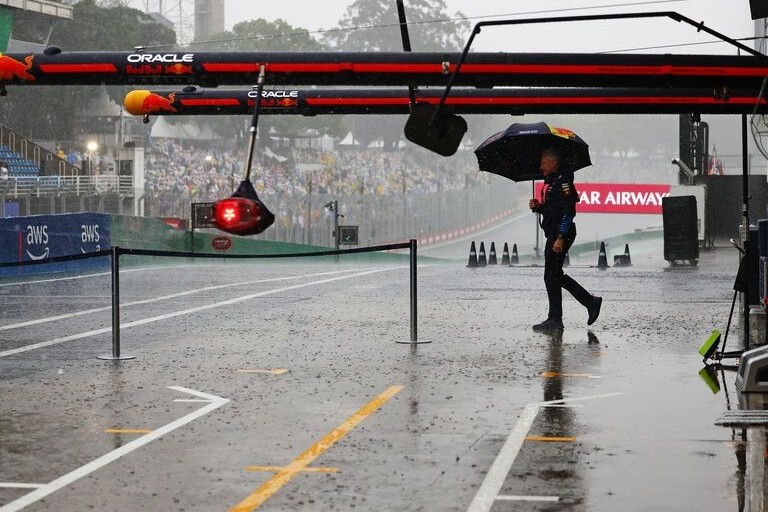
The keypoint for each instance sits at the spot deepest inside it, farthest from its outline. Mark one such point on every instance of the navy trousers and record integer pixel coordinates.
(555, 279)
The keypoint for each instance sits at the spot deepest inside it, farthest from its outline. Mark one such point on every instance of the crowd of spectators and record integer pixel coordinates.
(179, 172)
(369, 183)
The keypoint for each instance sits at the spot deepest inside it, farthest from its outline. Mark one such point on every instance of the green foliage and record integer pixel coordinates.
(116, 29)
(373, 25)
(256, 36)
(260, 35)
(49, 112)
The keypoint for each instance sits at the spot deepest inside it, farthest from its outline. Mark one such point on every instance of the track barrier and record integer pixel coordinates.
(492, 255)
(115, 252)
(472, 256)
(505, 254)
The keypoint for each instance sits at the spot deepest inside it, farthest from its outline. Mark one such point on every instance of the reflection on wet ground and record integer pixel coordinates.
(285, 385)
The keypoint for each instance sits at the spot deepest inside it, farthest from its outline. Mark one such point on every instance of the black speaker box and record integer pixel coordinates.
(681, 237)
(758, 8)
(441, 133)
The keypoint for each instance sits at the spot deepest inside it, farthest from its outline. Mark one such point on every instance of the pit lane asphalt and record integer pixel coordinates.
(283, 387)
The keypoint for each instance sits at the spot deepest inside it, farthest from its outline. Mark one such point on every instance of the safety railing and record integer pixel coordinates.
(79, 185)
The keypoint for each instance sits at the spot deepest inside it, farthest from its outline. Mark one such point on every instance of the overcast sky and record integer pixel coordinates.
(730, 17)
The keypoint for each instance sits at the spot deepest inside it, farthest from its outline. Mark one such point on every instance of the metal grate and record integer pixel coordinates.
(742, 418)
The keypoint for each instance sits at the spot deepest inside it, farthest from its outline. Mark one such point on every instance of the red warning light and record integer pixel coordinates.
(237, 215)
(243, 213)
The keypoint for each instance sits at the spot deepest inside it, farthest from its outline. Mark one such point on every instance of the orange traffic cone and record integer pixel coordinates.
(481, 257)
(492, 255)
(514, 259)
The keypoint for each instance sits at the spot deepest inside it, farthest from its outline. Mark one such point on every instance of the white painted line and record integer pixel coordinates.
(72, 476)
(494, 479)
(13, 485)
(579, 399)
(198, 400)
(163, 297)
(528, 498)
(72, 278)
(197, 309)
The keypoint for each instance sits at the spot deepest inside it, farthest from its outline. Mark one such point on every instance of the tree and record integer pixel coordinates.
(49, 112)
(261, 35)
(373, 26)
(256, 36)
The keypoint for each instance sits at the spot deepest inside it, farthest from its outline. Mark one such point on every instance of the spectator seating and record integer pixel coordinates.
(17, 166)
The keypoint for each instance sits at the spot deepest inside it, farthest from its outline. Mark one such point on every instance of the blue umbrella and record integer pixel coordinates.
(515, 153)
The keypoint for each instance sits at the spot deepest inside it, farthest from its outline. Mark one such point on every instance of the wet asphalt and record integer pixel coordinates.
(296, 386)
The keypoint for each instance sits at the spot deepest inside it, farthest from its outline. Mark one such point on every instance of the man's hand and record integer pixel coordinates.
(558, 245)
(534, 204)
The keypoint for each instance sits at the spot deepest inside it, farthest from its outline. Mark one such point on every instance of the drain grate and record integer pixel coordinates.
(742, 418)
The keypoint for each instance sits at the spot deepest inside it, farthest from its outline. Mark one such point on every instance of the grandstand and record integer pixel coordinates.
(18, 166)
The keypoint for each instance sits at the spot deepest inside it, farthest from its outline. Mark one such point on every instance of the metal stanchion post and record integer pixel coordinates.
(336, 227)
(414, 329)
(116, 309)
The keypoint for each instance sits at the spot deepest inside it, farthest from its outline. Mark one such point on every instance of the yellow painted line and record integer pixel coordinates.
(550, 439)
(287, 473)
(280, 468)
(127, 430)
(550, 375)
(276, 371)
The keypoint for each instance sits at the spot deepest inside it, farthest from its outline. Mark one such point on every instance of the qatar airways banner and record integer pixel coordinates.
(618, 197)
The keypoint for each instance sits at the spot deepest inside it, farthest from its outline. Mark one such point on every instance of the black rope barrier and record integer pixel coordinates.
(179, 254)
(115, 251)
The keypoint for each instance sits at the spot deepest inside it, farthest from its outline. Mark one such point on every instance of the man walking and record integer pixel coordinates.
(558, 209)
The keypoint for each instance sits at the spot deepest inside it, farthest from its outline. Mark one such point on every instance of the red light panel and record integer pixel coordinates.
(236, 214)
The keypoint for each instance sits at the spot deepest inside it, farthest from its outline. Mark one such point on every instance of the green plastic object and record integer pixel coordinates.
(709, 376)
(709, 346)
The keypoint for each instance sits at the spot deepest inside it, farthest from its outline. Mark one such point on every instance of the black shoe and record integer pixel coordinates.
(594, 309)
(549, 325)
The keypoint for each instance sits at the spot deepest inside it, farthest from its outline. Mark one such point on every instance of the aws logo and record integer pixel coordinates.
(37, 242)
(89, 234)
